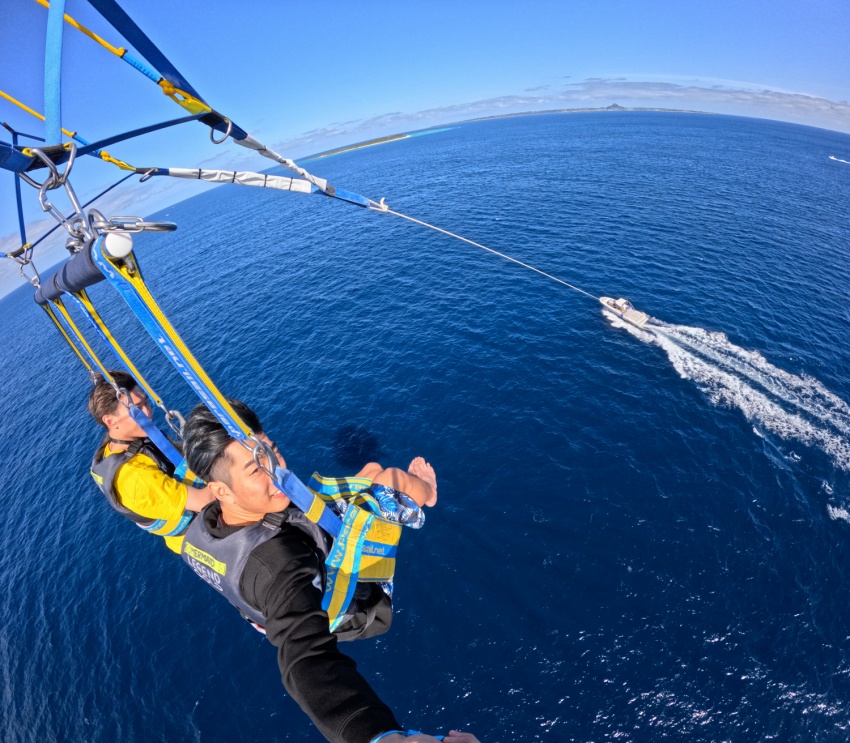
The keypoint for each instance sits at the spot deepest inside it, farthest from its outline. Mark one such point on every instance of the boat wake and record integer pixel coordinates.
(839, 160)
(797, 408)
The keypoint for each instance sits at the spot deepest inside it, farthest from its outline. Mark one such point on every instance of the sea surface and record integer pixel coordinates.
(641, 535)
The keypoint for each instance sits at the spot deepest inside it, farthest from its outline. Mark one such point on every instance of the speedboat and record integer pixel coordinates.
(625, 310)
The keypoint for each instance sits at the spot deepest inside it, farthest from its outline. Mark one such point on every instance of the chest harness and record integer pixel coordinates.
(364, 549)
(104, 470)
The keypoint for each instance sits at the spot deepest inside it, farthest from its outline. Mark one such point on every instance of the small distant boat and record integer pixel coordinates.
(625, 310)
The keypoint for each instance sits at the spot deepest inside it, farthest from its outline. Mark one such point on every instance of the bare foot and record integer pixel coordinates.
(425, 472)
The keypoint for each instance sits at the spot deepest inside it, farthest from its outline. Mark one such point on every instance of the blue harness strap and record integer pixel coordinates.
(13, 159)
(99, 145)
(53, 72)
(18, 201)
(94, 148)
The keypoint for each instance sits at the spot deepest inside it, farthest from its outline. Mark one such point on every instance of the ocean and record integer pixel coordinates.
(641, 534)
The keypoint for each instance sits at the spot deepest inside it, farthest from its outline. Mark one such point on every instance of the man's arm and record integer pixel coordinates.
(281, 579)
(197, 498)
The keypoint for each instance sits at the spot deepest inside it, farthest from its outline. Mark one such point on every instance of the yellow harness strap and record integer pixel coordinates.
(365, 548)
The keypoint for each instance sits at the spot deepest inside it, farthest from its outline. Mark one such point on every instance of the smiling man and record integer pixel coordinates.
(133, 474)
(263, 555)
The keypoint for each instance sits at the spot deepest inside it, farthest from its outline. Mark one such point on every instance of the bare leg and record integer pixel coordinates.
(419, 482)
(371, 470)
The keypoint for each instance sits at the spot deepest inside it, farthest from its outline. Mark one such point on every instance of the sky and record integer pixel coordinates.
(303, 77)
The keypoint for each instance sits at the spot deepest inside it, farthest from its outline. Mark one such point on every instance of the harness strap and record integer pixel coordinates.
(53, 72)
(343, 564)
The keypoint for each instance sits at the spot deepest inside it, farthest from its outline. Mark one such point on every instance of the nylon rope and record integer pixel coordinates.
(489, 250)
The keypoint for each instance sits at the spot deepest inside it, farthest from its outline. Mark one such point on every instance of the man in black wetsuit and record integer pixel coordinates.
(267, 559)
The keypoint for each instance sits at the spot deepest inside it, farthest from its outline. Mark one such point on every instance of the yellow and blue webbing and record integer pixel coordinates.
(343, 564)
(161, 71)
(75, 331)
(131, 286)
(178, 88)
(51, 294)
(81, 299)
(83, 303)
(49, 310)
(88, 148)
(365, 543)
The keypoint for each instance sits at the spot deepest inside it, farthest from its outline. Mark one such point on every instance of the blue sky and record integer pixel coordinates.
(307, 76)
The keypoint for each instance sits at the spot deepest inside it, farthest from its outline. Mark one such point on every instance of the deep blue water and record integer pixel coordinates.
(640, 535)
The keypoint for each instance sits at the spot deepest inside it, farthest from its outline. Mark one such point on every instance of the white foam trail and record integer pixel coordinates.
(839, 160)
(793, 407)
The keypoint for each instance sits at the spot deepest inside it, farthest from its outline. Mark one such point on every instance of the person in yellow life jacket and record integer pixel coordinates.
(133, 474)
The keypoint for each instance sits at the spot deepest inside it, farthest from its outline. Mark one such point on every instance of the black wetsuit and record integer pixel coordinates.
(282, 579)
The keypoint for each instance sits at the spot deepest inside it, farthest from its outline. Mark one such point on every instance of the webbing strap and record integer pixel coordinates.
(13, 159)
(181, 467)
(135, 133)
(125, 25)
(53, 72)
(343, 564)
(49, 310)
(96, 148)
(18, 200)
(84, 305)
(154, 434)
(135, 293)
(89, 351)
(307, 501)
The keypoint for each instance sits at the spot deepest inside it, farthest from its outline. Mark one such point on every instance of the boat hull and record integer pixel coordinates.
(623, 309)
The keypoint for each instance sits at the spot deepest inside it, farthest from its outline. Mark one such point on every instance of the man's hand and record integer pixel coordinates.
(453, 736)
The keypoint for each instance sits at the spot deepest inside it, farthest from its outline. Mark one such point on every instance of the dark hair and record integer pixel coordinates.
(205, 440)
(102, 399)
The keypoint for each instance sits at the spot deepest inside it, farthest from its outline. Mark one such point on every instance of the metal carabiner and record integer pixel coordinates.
(260, 449)
(175, 420)
(127, 224)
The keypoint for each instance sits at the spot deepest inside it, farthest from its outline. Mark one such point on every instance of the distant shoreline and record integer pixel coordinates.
(394, 137)
(612, 107)
(360, 145)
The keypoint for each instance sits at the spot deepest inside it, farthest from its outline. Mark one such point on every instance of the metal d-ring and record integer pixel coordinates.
(55, 179)
(226, 134)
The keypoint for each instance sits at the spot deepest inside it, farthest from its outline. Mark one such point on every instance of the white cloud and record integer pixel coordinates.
(716, 96)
